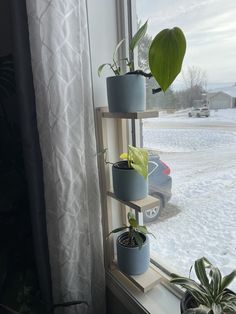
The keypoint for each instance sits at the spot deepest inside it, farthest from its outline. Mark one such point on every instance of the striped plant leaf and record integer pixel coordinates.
(197, 311)
(201, 274)
(210, 292)
(215, 281)
(228, 279)
(187, 282)
(217, 309)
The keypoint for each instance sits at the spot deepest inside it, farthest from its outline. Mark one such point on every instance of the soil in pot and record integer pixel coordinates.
(187, 302)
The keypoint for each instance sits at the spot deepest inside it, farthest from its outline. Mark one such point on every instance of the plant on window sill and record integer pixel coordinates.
(130, 175)
(166, 55)
(133, 252)
(211, 295)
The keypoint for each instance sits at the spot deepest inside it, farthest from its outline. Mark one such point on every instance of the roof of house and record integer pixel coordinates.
(230, 90)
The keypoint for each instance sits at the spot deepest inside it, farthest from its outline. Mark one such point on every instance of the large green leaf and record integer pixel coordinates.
(138, 36)
(166, 56)
(139, 160)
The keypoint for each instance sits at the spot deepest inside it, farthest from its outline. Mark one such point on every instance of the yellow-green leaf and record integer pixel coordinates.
(124, 156)
(139, 160)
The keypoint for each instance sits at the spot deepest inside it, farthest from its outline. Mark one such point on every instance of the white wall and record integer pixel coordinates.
(103, 39)
(220, 101)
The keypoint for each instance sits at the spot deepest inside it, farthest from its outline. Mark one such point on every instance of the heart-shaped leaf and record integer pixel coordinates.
(166, 56)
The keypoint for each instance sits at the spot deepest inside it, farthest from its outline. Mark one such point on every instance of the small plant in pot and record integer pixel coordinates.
(130, 176)
(210, 295)
(127, 92)
(133, 251)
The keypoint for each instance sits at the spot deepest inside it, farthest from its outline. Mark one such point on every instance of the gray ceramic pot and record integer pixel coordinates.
(133, 260)
(126, 93)
(128, 184)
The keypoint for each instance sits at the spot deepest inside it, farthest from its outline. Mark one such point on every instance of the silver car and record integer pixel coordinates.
(199, 112)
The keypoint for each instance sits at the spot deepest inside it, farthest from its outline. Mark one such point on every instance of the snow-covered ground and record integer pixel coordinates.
(200, 219)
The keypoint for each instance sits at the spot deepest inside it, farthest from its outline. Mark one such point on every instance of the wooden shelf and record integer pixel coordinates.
(144, 282)
(131, 115)
(140, 205)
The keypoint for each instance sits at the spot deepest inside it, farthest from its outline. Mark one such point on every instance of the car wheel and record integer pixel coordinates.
(190, 115)
(152, 214)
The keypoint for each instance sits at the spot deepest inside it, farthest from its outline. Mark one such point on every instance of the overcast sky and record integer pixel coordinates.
(210, 29)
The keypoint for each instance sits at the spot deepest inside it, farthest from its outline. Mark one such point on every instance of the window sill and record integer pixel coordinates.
(159, 300)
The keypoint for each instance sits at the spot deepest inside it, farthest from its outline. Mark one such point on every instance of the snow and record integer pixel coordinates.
(200, 218)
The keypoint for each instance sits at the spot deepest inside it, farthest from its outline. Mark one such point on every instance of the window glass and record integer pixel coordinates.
(195, 135)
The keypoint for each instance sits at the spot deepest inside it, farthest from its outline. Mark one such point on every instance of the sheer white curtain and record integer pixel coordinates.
(61, 68)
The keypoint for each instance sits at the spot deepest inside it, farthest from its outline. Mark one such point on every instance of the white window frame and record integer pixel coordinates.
(162, 299)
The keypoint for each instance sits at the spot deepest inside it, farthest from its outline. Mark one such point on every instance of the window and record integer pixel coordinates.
(195, 135)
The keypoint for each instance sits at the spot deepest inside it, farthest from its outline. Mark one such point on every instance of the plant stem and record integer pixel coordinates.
(140, 72)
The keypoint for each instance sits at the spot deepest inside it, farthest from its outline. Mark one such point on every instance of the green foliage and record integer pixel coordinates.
(138, 36)
(166, 56)
(114, 66)
(210, 292)
(137, 159)
(134, 237)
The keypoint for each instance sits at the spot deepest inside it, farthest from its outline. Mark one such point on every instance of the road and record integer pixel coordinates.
(202, 123)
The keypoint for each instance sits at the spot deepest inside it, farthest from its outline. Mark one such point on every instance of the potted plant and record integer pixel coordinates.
(130, 175)
(210, 295)
(133, 252)
(127, 93)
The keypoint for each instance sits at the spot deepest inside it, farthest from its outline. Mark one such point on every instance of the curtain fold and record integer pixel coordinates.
(31, 146)
(62, 79)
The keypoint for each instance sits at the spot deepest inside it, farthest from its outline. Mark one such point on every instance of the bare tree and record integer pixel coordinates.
(194, 76)
(195, 80)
